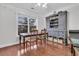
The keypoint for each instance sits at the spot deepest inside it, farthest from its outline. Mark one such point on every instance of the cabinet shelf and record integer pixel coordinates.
(54, 22)
(53, 19)
(57, 25)
(52, 16)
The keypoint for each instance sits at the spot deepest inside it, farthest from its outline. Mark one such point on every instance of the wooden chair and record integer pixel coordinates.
(32, 39)
(71, 47)
(42, 37)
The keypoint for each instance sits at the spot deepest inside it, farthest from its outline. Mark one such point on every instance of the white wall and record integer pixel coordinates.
(7, 27)
(8, 24)
(41, 23)
(73, 16)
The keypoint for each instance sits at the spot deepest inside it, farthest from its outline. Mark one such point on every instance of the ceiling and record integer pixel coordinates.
(40, 10)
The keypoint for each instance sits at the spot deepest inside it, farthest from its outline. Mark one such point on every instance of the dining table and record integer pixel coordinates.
(22, 37)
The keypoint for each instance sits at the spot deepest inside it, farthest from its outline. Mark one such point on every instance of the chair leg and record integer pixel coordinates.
(20, 48)
(41, 41)
(53, 41)
(63, 41)
(44, 41)
(57, 42)
(33, 44)
(30, 46)
(36, 42)
(26, 46)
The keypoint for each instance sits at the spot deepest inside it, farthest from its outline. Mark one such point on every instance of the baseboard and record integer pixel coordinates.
(10, 44)
(56, 42)
(15, 43)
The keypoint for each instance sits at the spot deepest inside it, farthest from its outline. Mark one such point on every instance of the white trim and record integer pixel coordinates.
(10, 44)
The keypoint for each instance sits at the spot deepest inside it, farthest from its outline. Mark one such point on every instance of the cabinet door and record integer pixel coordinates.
(62, 20)
(47, 23)
(62, 24)
(50, 32)
(61, 34)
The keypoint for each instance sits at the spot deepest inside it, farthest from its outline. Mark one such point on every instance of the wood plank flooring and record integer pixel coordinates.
(42, 50)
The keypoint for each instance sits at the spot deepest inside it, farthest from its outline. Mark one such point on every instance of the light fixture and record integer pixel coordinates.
(38, 4)
(44, 5)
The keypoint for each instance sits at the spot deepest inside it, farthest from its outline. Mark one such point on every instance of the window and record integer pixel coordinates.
(26, 24)
(22, 25)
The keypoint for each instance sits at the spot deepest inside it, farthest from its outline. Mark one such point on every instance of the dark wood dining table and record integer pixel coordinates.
(22, 37)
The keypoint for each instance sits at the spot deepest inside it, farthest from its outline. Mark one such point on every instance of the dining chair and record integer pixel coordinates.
(32, 40)
(43, 37)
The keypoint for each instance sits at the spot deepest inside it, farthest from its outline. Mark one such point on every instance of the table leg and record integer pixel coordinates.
(30, 44)
(41, 41)
(24, 44)
(47, 40)
(20, 44)
(53, 41)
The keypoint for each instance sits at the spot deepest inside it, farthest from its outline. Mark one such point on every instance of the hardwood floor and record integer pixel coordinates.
(42, 50)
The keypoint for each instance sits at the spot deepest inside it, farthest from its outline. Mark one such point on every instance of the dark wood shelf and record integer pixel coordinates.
(54, 22)
(53, 15)
(54, 19)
